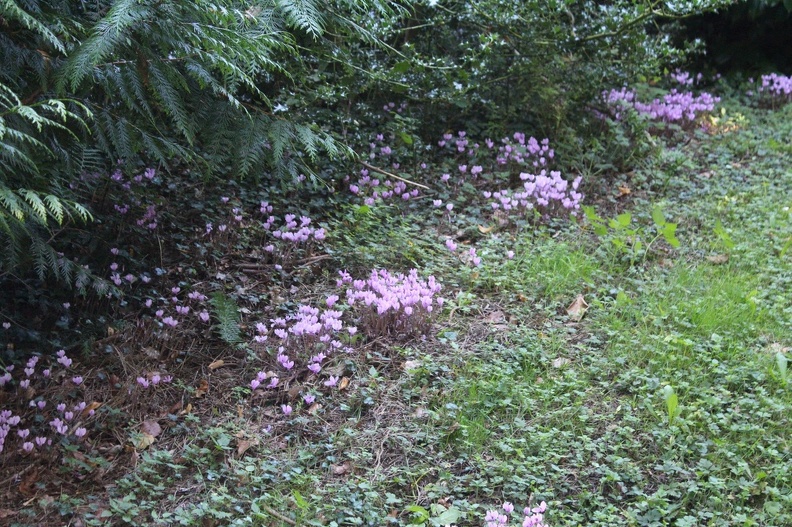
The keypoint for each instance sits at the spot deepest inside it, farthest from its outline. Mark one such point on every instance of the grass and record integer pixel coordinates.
(511, 399)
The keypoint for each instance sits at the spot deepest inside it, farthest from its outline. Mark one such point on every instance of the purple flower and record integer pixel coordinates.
(27, 446)
(332, 381)
(309, 399)
(286, 409)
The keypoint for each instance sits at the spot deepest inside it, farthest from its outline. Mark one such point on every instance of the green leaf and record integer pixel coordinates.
(723, 235)
(781, 362)
(299, 500)
(401, 67)
(421, 514)
(657, 216)
(408, 140)
(669, 233)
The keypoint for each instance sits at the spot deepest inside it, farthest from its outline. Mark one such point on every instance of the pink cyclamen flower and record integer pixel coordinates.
(332, 381)
(309, 399)
(27, 446)
(286, 409)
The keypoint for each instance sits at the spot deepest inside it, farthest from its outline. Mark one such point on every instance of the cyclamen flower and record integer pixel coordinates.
(332, 381)
(449, 243)
(437, 203)
(286, 409)
(309, 399)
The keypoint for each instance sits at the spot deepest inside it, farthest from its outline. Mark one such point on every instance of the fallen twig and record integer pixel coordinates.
(394, 176)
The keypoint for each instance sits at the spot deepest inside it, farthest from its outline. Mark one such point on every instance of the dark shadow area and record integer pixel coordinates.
(752, 37)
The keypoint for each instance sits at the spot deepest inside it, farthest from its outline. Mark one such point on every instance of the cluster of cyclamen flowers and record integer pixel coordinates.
(777, 87)
(195, 303)
(542, 190)
(394, 304)
(32, 426)
(149, 217)
(682, 108)
(532, 517)
(373, 190)
(685, 78)
(516, 149)
(305, 339)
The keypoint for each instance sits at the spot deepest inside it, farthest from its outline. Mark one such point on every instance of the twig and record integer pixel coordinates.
(385, 173)
(279, 515)
(17, 475)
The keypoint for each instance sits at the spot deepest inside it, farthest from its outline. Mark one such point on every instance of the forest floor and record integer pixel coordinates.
(623, 370)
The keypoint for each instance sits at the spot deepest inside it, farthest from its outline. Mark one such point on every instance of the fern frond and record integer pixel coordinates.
(227, 315)
(303, 14)
(11, 11)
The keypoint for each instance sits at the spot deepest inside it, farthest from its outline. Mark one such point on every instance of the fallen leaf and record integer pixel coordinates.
(90, 408)
(485, 230)
(217, 364)
(411, 365)
(340, 470)
(343, 383)
(560, 361)
(143, 440)
(7, 513)
(577, 309)
(244, 444)
(420, 412)
(294, 391)
(175, 407)
(718, 259)
(187, 409)
(26, 487)
(151, 427)
(315, 407)
(624, 190)
(495, 317)
(203, 389)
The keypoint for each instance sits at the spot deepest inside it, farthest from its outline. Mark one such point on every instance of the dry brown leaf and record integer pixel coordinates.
(203, 389)
(577, 309)
(187, 409)
(26, 488)
(151, 427)
(294, 391)
(143, 440)
(718, 259)
(496, 317)
(216, 364)
(90, 408)
(485, 230)
(244, 444)
(343, 383)
(315, 407)
(624, 190)
(340, 470)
